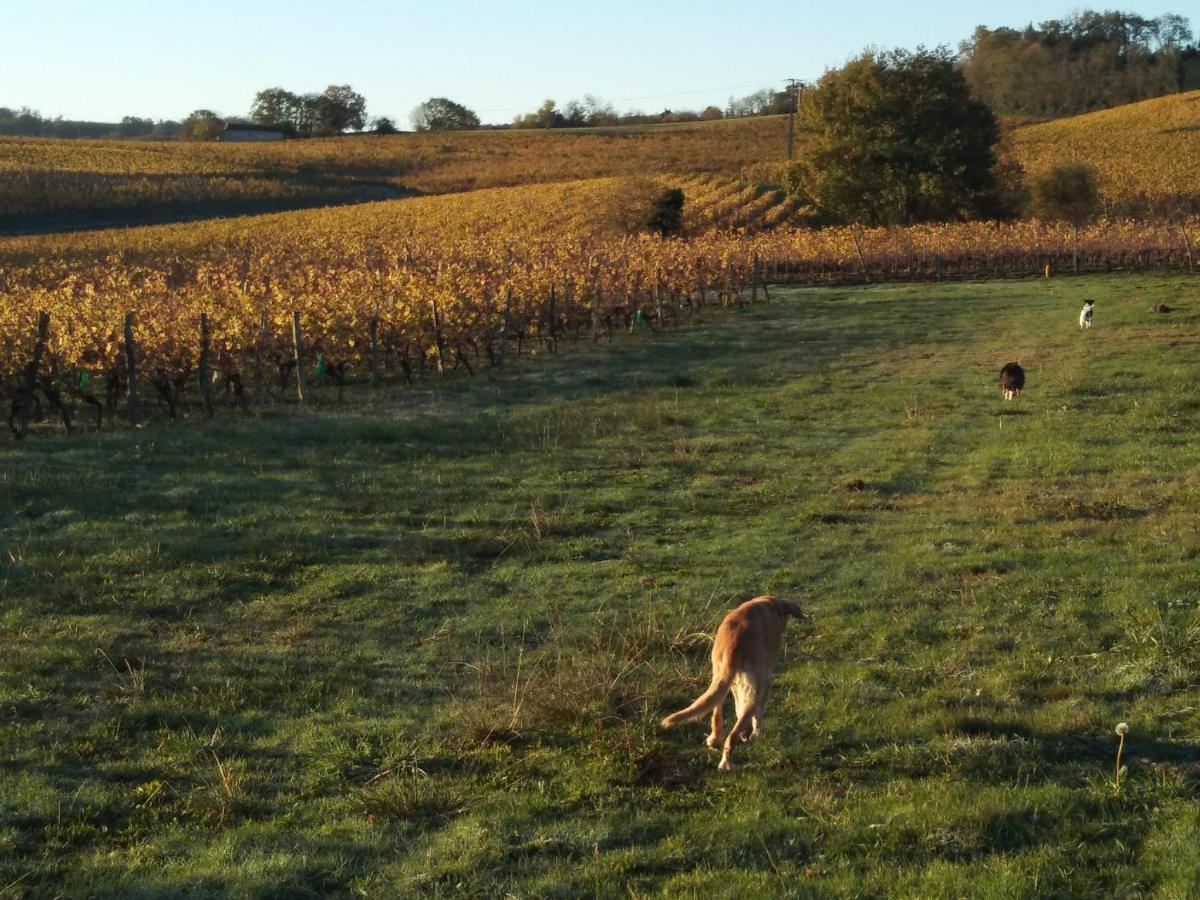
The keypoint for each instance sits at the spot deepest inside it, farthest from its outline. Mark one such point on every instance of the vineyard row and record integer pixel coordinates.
(265, 315)
(282, 361)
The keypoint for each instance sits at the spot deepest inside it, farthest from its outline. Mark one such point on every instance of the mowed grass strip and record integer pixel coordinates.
(420, 644)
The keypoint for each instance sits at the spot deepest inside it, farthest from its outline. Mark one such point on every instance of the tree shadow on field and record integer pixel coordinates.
(803, 335)
(297, 190)
(1060, 754)
(241, 703)
(114, 475)
(1016, 767)
(283, 865)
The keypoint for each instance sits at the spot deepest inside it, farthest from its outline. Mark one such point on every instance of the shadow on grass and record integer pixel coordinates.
(1057, 749)
(302, 189)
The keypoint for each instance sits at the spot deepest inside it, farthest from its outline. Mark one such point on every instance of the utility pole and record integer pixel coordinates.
(793, 91)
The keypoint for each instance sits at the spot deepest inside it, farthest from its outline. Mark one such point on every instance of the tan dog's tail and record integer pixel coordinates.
(704, 703)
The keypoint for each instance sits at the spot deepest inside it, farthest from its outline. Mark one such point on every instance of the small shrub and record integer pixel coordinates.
(666, 218)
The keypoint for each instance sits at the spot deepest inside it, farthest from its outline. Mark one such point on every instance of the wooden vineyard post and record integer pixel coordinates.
(658, 292)
(259, 348)
(373, 350)
(31, 374)
(700, 278)
(754, 279)
(504, 329)
(564, 319)
(131, 371)
(553, 321)
(298, 343)
(437, 336)
(206, 400)
(861, 259)
(595, 312)
(1187, 246)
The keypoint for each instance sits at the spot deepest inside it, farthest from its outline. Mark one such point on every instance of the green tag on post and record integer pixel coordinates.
(321, 365)
(83, 378)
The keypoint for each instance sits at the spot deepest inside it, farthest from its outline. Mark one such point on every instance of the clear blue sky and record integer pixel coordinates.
(102, 59)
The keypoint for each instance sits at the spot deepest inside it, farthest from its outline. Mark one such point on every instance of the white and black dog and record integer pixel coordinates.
(1085, 314)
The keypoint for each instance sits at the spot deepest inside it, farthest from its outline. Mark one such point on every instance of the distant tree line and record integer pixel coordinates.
(443, 114)
(339, 108)
(25, 122)
(767, 102)
(1089, 61)
(592, 112)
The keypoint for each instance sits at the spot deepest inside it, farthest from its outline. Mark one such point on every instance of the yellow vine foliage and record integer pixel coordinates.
(438, 273)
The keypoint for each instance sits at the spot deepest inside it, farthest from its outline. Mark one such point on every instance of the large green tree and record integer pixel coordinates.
(276, 106)
(341, 108)
(441, 114)
(201, 125)
(895, 137)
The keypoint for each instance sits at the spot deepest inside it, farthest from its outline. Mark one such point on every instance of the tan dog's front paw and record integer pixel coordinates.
(723, 765)
(712, 742)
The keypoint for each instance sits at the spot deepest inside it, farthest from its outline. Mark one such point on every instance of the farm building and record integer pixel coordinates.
(242, 131)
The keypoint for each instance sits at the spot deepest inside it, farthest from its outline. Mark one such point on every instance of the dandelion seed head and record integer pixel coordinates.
(1122, 729)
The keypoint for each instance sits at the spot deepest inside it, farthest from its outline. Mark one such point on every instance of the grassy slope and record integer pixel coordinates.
(218, 637)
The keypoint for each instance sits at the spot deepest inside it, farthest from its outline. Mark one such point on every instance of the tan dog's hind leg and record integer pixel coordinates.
(744, 695)
(756, 717)
(713, 741)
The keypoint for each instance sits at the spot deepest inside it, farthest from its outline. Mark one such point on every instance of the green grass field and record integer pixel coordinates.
(419, 645)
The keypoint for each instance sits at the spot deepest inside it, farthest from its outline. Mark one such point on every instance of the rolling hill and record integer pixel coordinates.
(1147, 154)
(41, 178)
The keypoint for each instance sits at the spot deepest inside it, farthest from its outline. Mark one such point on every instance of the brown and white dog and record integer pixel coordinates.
(1085, 314)
(743, 660)
(1012, 380)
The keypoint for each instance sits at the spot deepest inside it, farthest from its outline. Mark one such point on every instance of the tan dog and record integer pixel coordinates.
(743, 660)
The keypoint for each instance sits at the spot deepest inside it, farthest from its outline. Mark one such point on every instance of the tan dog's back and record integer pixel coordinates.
(743, 658)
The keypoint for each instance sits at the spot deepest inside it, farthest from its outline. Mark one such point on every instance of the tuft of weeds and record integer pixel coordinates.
(410, 796)
(1068, 509)
(665, 767)
(129, 681)
(221, 795)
